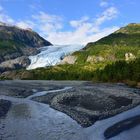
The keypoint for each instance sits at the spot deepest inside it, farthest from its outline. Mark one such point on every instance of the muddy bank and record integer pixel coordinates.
(4, 107)
(122, 126)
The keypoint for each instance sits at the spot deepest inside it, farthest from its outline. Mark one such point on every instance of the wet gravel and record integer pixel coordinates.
(4, 107)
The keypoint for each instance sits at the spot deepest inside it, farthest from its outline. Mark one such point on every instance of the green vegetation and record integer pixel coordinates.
(130, 29)
(119, 71)
(113, 47)
(9, 46)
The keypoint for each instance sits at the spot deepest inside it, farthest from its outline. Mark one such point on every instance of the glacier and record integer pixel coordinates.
(52, 55)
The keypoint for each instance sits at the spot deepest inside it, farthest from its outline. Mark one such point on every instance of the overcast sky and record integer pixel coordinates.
(70, 21)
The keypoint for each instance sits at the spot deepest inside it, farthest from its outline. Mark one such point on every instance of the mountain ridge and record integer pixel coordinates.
(114, 45)
(16, 42)
(16, 45)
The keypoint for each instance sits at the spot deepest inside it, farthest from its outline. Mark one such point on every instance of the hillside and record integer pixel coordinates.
(117, 46)
(16, 42)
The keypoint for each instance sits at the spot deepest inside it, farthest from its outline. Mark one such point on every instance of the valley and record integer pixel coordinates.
(99, 106)
(69, 70)
(114, 58)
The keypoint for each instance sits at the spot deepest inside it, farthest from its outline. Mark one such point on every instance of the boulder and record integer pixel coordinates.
(18, 63)
(95, 59)
(69, 60)
(129, 56)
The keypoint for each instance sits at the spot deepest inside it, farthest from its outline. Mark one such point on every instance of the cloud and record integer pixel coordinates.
(108, 14)
(77, 23)
(85, 29)
(4, 17)
(79, 37)
(25, 24)
(48, 23)
(104, 3)
(44, 17)
(51, 27)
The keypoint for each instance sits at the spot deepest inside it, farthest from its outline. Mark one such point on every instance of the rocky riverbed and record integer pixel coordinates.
(31, 110)
(89, 103)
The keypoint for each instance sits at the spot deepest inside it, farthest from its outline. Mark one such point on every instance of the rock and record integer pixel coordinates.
(18, 63)
(2, 24)
(126, 57)
(138, 85)
(8, 75)
(95, 59)
(16, 75)
(69, 60)
(129, 56)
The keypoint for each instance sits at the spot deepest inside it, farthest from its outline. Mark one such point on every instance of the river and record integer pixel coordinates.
(31, 120)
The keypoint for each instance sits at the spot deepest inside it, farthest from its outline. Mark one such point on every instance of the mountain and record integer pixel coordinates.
(120, 45)
(113, 58)
(16, 42)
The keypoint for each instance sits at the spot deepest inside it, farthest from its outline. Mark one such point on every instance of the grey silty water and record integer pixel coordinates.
(28, 120)
(45, 92)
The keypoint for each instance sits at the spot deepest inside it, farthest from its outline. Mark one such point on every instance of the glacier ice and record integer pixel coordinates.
(52, 55)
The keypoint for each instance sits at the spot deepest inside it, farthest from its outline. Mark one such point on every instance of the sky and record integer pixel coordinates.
(70, 21)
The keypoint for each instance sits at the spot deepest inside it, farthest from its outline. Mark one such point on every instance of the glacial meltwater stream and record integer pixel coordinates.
(45, 92)
(30, 120)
